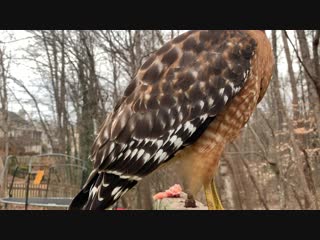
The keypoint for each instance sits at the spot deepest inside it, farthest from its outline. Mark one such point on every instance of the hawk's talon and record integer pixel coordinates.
(190, 202)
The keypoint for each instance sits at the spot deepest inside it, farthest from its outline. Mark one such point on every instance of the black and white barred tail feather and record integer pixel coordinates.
(105, 190)
(82, 197)
(174, 96)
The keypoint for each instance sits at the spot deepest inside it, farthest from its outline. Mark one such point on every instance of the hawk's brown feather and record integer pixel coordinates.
(171, 101)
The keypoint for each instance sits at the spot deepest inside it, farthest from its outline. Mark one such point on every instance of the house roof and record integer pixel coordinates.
(15, 119)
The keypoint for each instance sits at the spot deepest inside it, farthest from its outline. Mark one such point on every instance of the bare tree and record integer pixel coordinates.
(4, 125)
(292, 78)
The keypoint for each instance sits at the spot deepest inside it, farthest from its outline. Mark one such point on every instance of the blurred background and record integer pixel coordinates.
(57, 87)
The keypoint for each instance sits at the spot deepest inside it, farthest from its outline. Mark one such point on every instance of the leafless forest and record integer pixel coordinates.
(60, 85)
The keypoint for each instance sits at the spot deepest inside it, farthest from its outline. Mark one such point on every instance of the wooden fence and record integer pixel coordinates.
(42, 190)
(19, 190)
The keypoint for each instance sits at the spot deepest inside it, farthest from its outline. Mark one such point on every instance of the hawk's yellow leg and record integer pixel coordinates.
(212, 197)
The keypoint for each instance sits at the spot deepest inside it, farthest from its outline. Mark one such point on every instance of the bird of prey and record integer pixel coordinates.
(186, 101)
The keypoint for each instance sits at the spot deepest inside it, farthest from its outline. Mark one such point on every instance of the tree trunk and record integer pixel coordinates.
(85, 122)
(293, 82)
(4, 114)
(276, 83)
(313, 84)
(316, 62)
(236, 183)
(227, 187)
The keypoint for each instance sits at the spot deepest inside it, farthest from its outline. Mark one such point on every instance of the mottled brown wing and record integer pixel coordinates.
(176, 93)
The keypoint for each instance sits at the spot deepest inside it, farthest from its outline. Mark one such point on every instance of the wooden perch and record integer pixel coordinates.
(176, 203)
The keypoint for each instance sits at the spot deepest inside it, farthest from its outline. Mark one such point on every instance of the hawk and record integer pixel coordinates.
(186, 101)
